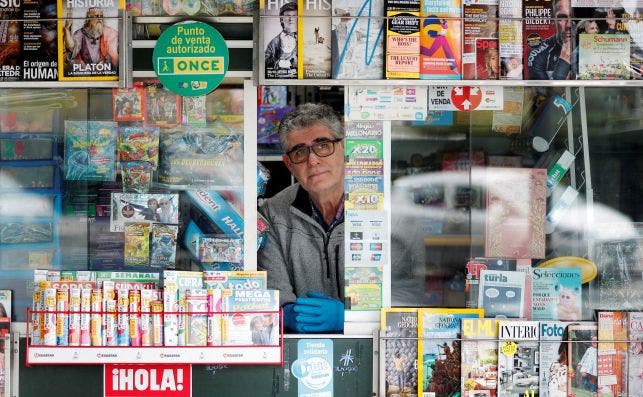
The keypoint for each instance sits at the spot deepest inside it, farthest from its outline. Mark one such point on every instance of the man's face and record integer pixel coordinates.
(95, 21)
(563, 21)
(319, 176)
(289, 20)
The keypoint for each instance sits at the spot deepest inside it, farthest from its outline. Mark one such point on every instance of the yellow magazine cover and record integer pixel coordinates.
(314, 39)
(88, 32)
(439, 331)
(399, 327)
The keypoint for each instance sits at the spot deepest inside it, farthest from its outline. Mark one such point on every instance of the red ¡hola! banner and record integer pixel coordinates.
(147, 380)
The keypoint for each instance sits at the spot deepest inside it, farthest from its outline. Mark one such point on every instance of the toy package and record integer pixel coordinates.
(128, 104)
(138, 143)
(90, 150)
(163, 248)
(137, 244)
(221, 252)
(201, 157)
(162, 107)
(136, 176)
(194, 108)
(137, 207)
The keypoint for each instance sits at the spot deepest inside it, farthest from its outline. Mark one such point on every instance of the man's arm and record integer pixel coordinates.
(537, 63)
(270, 54)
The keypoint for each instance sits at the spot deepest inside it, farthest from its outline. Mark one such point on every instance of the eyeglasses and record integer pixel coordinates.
(321, 149)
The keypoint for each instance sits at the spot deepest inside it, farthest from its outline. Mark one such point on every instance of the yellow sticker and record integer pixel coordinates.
(509, 348)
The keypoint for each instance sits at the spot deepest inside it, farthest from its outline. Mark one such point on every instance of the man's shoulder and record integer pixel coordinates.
(283, 199)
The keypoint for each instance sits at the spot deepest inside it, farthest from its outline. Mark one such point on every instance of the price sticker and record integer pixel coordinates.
(509, 348)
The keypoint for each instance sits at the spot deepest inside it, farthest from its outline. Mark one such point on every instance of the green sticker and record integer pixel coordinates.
(191, 58)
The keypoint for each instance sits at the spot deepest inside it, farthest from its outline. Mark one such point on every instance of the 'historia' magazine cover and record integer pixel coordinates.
(314, 39)
(280, 39)
(88, 39)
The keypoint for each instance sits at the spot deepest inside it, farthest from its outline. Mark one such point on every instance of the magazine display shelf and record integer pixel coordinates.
(99, 355)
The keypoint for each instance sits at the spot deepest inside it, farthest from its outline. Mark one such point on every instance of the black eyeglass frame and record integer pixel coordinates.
(312, 148)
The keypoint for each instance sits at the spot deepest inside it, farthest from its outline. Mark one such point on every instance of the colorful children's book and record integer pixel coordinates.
(612, 355)
(440, 39)
(556, 294)
(582, 351)
(88, 38)
(280, 39)
(515, 223)
(90, 150)
(128, 104)
(399, 326)
(314, 39)
(635, 356)
(553, 359)
(358, 34)
(439, 354)
(479, 357)
(480, 60)
(502, 293)
(518, 358)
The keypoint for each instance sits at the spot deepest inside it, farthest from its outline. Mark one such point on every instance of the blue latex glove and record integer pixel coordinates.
(319, 313)
(290, 321)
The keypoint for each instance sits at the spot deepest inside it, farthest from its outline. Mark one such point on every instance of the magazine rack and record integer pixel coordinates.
(99, 355)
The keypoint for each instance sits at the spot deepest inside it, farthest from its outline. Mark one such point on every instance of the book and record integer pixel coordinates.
(480, 60)
(515, 223)
(251, 317)
(440, 39)
(314, 39)
(539, 28)
(358, 34)
(612, 355)
(39, 41)
(88, 39)
(402, 39)
(604, 57)
(479, 357)
(280, 39)
(635, 354)
(162, 107)
(128, 104)
(90, 150)
(582, 359)
(553, 359)
(510, 39)
(556, 294)
(439, 351)
(399, 325)
(518, 358)
(502, 293)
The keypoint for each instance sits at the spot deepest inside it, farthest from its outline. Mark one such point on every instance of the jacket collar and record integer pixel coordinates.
(302, 202)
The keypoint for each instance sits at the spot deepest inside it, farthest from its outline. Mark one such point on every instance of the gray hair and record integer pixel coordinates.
(307, 115)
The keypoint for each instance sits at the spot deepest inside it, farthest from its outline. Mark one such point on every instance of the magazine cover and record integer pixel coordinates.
(439, 349)
(539, 33)
(39, 41)
(635, 357)
(402, 39)
(243, 326)
(163, 245)
(553, 359)
(10, 42)
(88, 40)
(128, 104)
(196, 329)
(213, 279)
(5, 312)
(604, 57)
(510, 39)
(162, 107)
(440, 40)
(518, 358)
(357, 50)
(472, 275)
(515, 215)
(612, 355)
(194, 110)
(90, 150)
(280, 39)
(508, 121)
(582, 351)
(400, 357)
(502, 293)
(314, 39)
(556, 294)
(479, 357)
(140, 144)
(480, 58)
(141, 207)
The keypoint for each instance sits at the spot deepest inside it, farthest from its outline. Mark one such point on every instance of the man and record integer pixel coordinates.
(304, 249)
(94, 43)
(551, 60)
(281, 51)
